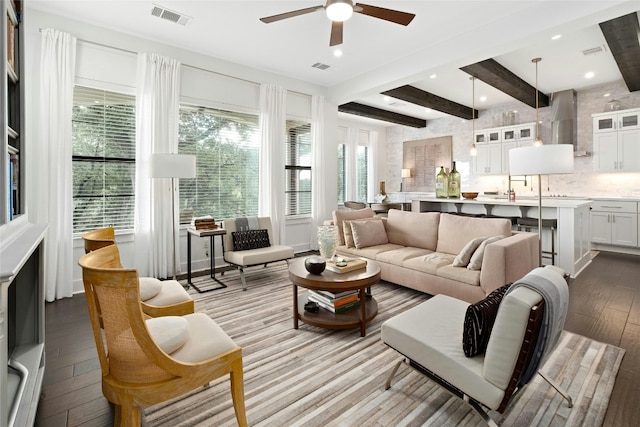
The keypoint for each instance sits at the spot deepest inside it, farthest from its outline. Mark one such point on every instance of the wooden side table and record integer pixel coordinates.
(211, 234)
(334, 282)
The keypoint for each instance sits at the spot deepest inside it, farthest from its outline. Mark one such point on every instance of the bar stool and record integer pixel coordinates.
(552, 224)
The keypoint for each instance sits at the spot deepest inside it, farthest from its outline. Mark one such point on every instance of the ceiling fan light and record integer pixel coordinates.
(339, 10)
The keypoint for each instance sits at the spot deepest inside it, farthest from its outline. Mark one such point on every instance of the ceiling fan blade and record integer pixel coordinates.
(402, 18)
(291, 14)
(336, 33)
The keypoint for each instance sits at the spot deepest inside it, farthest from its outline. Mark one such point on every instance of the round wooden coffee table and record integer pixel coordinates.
(335, 282)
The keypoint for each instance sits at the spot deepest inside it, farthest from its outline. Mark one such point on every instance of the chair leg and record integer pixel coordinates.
(129, 415)
(559, 389)
(242, 278)
(387, 385)
(237, 392)
(481, 411)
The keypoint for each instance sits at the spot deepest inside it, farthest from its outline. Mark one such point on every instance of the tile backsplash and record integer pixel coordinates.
(584, 182)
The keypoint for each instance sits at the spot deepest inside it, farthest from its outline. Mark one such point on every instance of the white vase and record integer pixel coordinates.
(327, 241)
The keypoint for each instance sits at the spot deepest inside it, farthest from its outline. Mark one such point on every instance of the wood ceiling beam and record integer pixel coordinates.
(494, 74)
(622, 37)
(428, 100)
(380, 114)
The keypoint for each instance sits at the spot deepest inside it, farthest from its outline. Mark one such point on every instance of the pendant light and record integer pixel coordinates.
(538, 141)
(474, 150)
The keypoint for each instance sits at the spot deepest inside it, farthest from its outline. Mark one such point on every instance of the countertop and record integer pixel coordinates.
(551, 202)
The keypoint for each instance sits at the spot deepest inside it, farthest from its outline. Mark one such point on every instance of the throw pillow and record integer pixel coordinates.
(348, 232)
(368, 233)
(475, 263)
(340, 216)
(463, 258)
(250, 239)
(168, 332)
(149, 287)
(479, 320)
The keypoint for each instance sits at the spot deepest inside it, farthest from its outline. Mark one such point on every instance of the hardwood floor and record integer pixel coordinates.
(604, 305)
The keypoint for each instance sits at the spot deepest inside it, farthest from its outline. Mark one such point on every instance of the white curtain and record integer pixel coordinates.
(351, 156)
(318, 167)
(273, 116)
(54, 204)
(157, 109)
(372, 184)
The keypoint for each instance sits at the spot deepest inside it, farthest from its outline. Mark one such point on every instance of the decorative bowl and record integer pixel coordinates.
(315, 264)
(469, 195)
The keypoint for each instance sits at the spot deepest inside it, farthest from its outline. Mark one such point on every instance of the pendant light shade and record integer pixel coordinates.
(538, 141)
(474, 150)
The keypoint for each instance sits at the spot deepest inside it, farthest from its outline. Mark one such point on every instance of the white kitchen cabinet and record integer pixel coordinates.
(614, 223)
(617, 151)
(506, 146)
(488, 135)
(616, 121)
(488, 161)
(523, 132)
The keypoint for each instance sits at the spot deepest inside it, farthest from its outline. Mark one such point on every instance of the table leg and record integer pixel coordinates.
(295, 306)
(188, 260)
(363, 310)
(212, 264)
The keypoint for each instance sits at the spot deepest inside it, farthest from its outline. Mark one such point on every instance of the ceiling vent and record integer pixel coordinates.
(320, 66)
(170, 15)
(593, 50)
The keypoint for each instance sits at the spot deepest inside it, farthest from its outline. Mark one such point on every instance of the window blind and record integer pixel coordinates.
(298, 168)
(103, 159)
(226, 145)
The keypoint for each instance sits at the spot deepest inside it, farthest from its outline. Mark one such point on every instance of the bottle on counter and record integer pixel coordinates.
(442, 184)
(454, 182)
(512, 195)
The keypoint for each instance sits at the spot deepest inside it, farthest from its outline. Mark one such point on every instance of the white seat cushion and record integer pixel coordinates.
(431, 335)
(259, 256)
(172, 292)
(149, 287)
(206, 340)
(168, 332)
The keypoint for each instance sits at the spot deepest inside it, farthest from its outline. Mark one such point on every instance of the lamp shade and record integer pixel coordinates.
(541, 160)
(406, 173)
(168, 165)
(339, 10)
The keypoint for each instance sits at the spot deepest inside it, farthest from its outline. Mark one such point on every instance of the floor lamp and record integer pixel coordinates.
(167, 165)
(541, 160)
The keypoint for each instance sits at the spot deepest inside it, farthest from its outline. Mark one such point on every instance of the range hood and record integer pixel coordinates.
(564, 119)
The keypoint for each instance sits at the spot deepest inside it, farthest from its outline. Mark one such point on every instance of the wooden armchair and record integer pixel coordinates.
(158, 297)
(148, 361)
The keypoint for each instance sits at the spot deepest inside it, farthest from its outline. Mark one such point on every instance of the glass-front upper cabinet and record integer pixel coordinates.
(614, 121)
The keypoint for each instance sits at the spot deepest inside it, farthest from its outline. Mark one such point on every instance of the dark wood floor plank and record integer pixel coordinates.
(631, 343)
(623, 407)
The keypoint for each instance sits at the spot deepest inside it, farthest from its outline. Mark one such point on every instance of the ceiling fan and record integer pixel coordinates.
(339, 11)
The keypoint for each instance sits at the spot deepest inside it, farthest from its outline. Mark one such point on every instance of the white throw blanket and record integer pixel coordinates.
(553, 288)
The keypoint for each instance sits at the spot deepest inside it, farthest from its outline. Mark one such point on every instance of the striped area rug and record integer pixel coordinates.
(317, 377)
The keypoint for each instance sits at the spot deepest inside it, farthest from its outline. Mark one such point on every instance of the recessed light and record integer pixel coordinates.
(606, 95)
(589, 75)
(433, 76)
(386, 99)
(483, 98)
(556, 37)
(515, 111)
(427, 110)
(337, 53)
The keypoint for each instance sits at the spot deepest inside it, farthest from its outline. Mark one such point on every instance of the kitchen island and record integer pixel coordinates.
(572, 236)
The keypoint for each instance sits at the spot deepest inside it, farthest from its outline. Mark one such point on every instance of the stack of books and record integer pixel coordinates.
(334, 302)
(204, 223)
(346, 265)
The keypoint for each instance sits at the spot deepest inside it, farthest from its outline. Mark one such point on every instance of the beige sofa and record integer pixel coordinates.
(422, 246)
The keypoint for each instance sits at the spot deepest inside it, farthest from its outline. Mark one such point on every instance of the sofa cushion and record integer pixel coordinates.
(463, 258)
(368, 233)
(475, 263)
(479, 320)
(454, 231)
(416, 229)
(429, 263)
(398, 256)
(371, 252)
(348, 232)
(460, 274)
(340, 216)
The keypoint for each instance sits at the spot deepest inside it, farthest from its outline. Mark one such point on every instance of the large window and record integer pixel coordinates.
(298, 168)
(226, 145)
(104, 148)
(342, 170)
(354, 165)
(362, 173)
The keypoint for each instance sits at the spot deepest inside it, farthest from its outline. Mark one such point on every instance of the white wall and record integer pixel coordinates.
(584, 182)
(107, 59)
